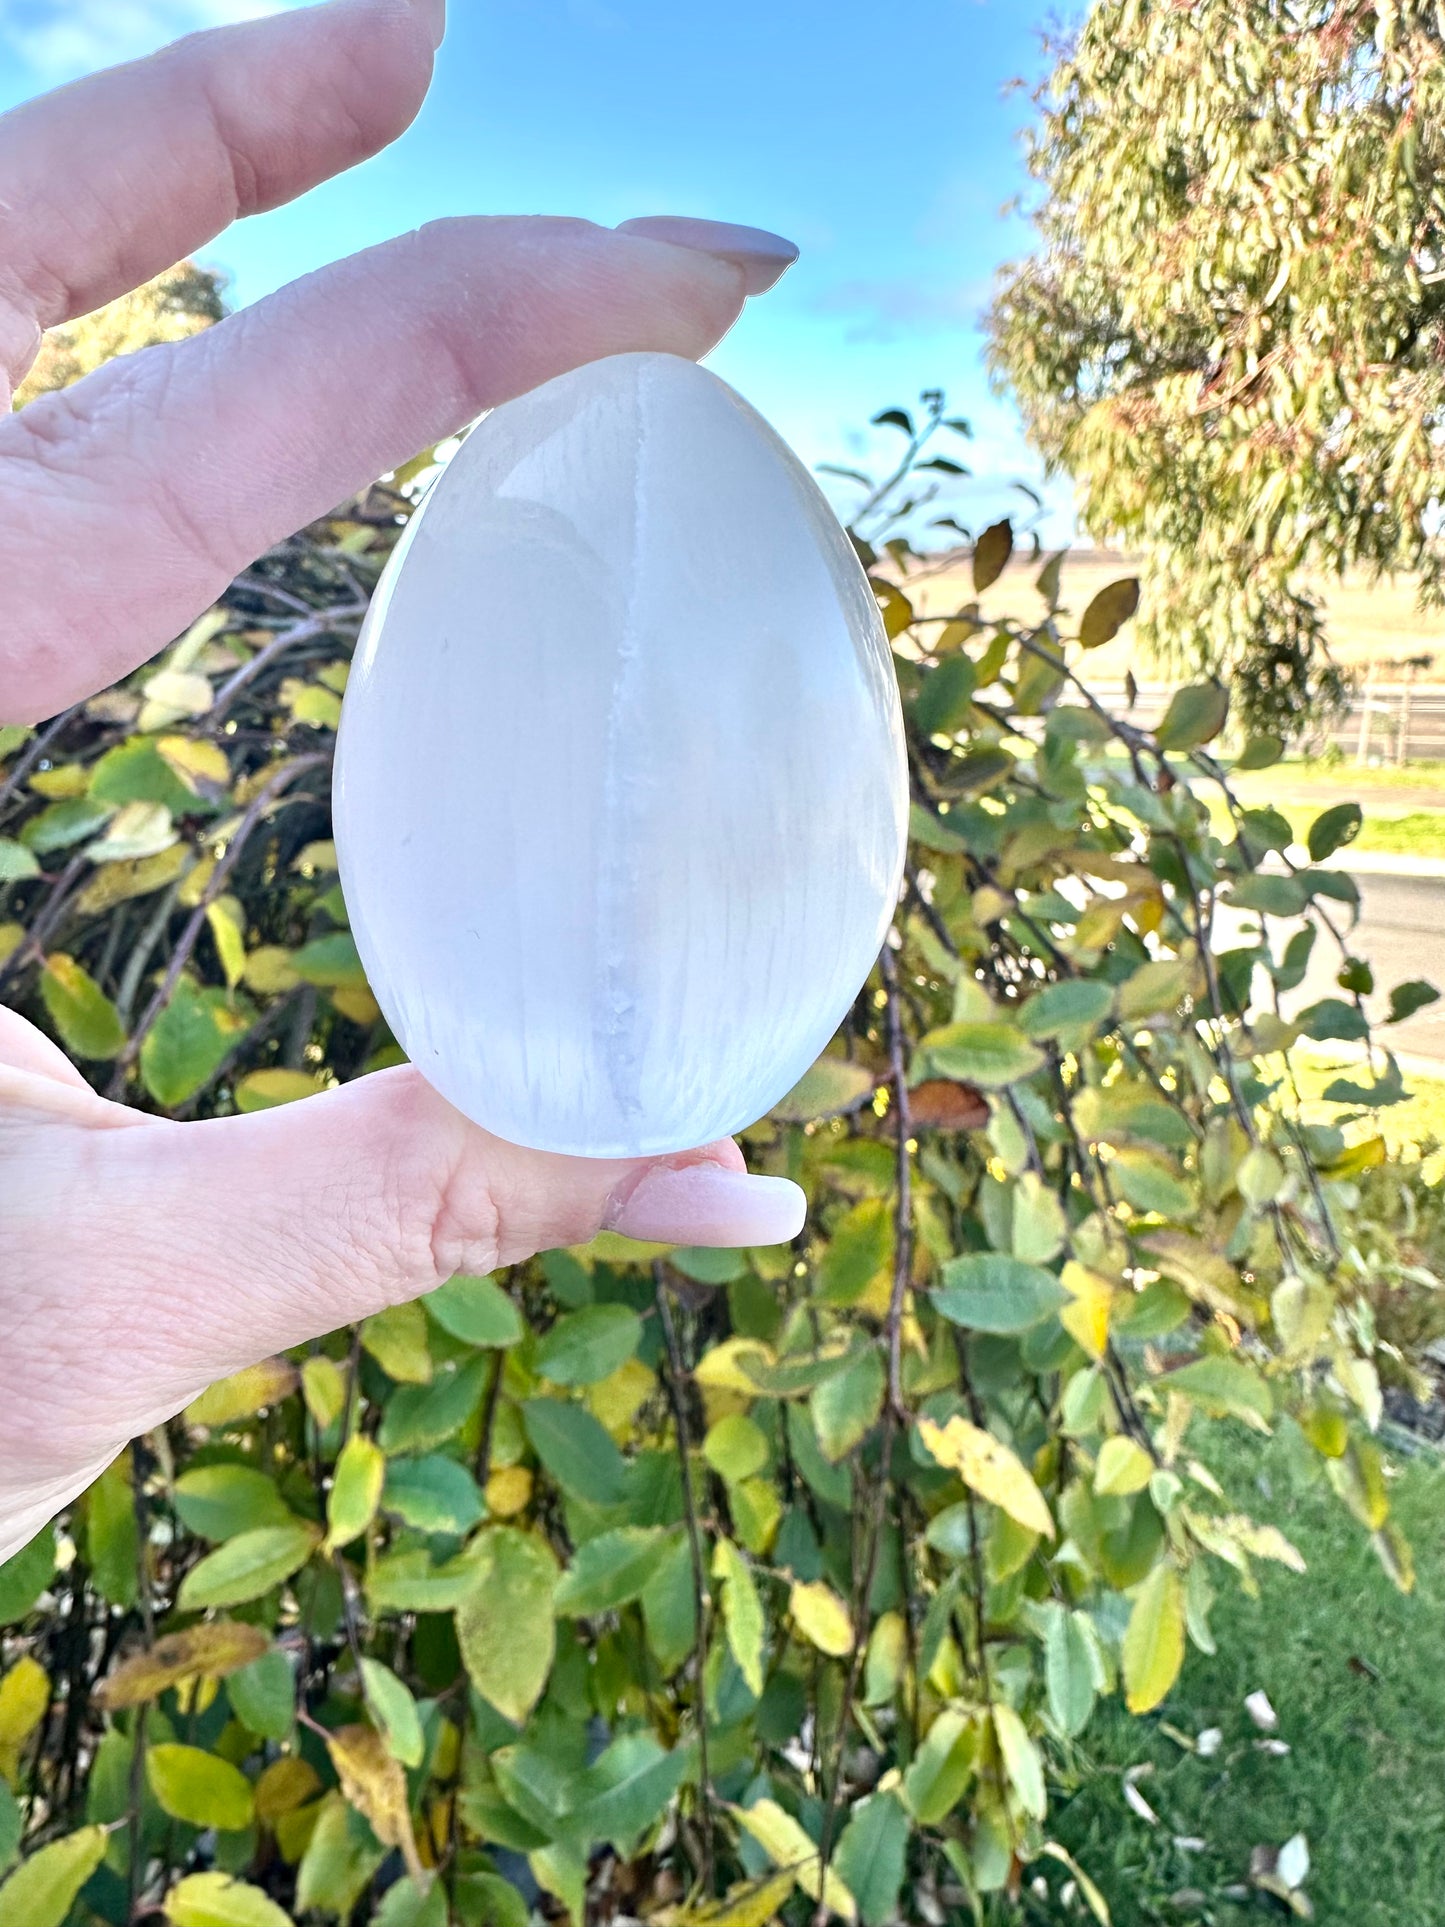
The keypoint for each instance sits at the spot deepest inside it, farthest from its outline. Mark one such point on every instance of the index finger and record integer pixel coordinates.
(106, 182)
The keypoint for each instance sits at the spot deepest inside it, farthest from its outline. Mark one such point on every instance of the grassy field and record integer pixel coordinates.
(1353, 1670)
(1365, 619)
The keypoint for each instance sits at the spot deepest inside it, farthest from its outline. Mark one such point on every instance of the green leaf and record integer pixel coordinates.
(112, 1539)
(1224, 1387)
(1021, 1758)
(85, 1019)
(942, 1767)
(990, 1292)
(395, 1712)
(1154, 1640)
(355, 1490)
(1260, 752)
(12, 1825)
(433, 1494)
(845, 1407)
(946, 696)
(419, 1417)
(1406, 999)
(872, 1856)
(669, 1605)
(609, 1570)
(25, 1575)
(475, 1310)
(338, 1863)
(1059, 1010)
(831, 1088)
(188, 1042)
(1333, 1018)
(627, 1790)
(1107, 613)
(742, 1613)
(16, 862)
(408, 1582)
(69, 821)
(219, 1900)
(42, 1891)
(1272, 896)
(263, 1696)
(861, 1245)
(587, 1345)
(330, 962)
(397, 1339)
(200, 1788)
(991, 553)
(576, 1449)
(219, 1502)
(504, 1625)
(992, 1056)
(1195, 716)
(135, 772)
(1332, 829)
(735, 1448)
(1068, 1672)
(248, 1567)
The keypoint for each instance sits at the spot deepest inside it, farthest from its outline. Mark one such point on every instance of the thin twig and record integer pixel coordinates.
(701, 1599)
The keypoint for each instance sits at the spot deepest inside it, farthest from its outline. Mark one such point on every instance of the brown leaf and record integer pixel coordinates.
(946, 1106)
(375, 1784)
(210, 1650)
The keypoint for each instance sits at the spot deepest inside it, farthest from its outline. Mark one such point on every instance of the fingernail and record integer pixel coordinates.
(702, 1204)
(434, 13)
(763, 257)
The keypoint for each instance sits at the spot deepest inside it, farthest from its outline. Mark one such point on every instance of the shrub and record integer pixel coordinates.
(689, 1584)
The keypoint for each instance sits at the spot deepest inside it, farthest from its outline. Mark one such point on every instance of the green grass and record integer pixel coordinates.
(1421, 833)
(1303, 772)
(1356, 1673)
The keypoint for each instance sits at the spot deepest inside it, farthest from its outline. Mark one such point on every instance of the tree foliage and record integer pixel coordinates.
(1231, 333)
(698, 1585)
(176, 304)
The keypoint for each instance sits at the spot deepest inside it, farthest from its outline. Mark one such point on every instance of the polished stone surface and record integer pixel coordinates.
(621, 796)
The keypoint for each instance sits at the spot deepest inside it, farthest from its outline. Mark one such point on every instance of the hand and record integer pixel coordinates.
(140, 1259)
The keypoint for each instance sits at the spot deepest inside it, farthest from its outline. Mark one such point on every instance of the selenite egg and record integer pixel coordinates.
(621, 797)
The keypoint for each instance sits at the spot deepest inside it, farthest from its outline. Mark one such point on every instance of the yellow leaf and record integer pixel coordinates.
(356, 1002)
(228, 931)
(616, 1399)
(117, 882)
(181, 692)
(1123, 1467)
(264, 1090)
(397, 1340)
(136, 829)
(820, 1615)
(509, 1490)
(268, 972)
(355, 1491)
(244, 1392)
(990, 1469)
(1154, 1640)
(12, 935)
(723, 1368)
(202, 767)
(375, 1784)
(323, 1386)
(286, 1784)
(65, 779)
(787, 1846)
(1086, 1320)
(24, 1696)
(220, 1900)
(213, 1649)
(752, 1903)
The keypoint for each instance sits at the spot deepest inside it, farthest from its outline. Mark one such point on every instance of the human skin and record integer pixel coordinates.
(141, 1259)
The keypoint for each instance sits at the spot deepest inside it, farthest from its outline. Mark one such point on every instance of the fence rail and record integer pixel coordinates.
(1384, 722)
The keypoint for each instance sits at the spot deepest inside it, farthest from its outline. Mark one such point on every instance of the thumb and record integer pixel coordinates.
(220, 1242)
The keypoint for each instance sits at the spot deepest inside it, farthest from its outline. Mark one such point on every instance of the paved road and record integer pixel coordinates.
(1402, 934)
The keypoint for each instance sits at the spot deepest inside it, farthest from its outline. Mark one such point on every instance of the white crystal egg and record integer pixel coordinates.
(621, 797)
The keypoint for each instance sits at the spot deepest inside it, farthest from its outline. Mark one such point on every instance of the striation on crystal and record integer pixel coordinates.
(621, 797)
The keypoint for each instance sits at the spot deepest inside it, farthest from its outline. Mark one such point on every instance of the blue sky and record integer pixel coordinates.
(887, 151)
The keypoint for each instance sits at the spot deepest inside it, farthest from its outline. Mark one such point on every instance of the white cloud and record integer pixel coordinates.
(59, 39)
